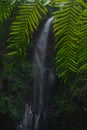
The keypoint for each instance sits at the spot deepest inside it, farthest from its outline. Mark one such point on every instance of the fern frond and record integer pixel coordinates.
(6, 7)
(65, 29)
(83, 42)
(25, 24)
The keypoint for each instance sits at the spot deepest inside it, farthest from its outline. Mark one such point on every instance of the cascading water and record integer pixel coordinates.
(39, 75)
(36, 113)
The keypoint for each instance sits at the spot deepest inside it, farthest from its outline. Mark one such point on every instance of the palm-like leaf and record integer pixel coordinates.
(5, 9)
(82, 51)
(65, 28)
(21, 30)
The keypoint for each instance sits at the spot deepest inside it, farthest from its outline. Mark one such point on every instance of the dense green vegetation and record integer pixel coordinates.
(19, 19)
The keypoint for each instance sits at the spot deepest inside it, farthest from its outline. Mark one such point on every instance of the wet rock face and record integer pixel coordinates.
(6, 122)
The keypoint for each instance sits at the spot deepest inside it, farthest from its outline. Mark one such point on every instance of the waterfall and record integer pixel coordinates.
(37, 111)
(39, 74)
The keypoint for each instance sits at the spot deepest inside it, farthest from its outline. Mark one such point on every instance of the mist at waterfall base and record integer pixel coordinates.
(35, 116)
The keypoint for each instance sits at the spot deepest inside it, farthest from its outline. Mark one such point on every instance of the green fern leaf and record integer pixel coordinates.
(65, 27)
(25, 24)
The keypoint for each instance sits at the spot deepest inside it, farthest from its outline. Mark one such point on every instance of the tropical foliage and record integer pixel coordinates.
(65, 28)
(23, 27)
(19, 19)
(69, 28)
(5, 10)
(14, 89)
